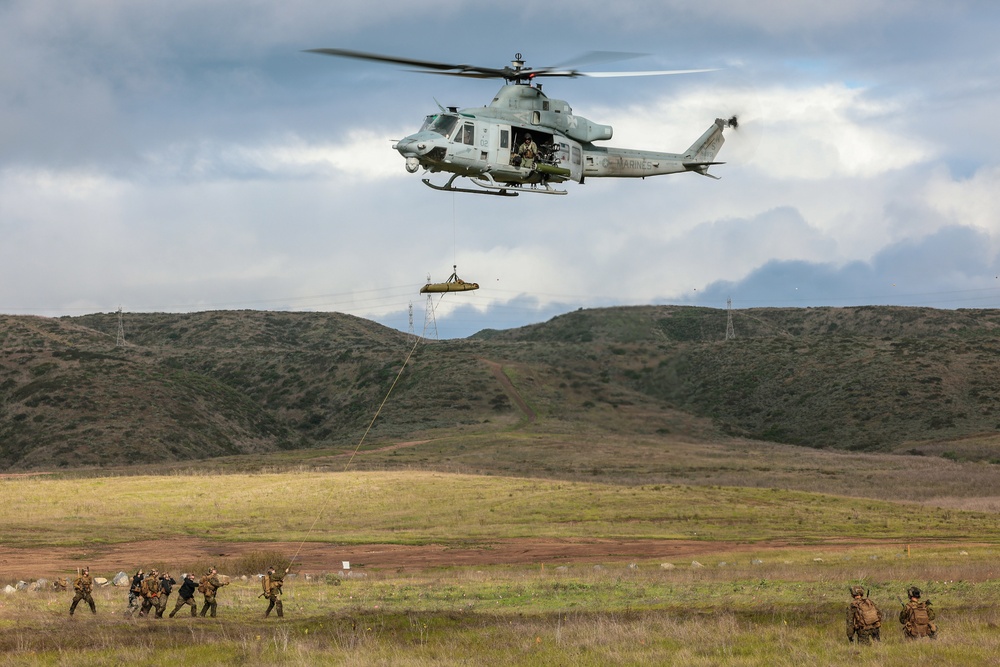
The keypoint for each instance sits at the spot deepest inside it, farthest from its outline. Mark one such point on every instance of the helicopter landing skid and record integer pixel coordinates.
(449, 187)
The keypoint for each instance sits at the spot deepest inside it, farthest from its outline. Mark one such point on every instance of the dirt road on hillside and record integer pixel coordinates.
(510, 389)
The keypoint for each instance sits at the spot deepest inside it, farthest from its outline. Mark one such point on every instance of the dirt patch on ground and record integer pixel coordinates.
(105, 560)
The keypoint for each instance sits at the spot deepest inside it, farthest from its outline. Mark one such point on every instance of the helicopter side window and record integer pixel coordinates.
(504, 139)
(468, 137)
(443, 125)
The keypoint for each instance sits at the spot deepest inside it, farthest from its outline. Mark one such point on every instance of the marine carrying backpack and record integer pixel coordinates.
(868, 615)
(920, 620)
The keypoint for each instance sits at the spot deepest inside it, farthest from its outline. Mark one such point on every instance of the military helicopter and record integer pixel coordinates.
(525, 141)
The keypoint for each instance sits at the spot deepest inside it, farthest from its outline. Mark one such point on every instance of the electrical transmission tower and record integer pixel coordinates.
(120, 340)
(730, 332)
(429, 313)
(429, 317)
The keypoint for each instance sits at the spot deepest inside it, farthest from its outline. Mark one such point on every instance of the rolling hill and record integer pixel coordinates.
(201, 385)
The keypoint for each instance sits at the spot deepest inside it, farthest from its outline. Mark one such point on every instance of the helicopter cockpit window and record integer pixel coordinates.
(443, 125)
(468, 136)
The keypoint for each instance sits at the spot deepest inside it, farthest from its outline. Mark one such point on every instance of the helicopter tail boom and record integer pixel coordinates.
(624, 163)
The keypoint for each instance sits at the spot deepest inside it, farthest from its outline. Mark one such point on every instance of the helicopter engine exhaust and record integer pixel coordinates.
(587, 131)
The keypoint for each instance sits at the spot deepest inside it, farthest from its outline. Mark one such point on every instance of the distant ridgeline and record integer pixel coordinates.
(201, 385)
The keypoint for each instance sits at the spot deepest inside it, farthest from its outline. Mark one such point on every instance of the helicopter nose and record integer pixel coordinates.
(410, 147)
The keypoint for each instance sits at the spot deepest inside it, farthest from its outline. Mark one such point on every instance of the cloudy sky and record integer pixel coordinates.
(187, 155)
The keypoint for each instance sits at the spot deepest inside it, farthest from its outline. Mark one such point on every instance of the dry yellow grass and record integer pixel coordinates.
(421, 507)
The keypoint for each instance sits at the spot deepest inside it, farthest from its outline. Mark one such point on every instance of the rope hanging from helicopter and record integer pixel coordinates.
(350, 460)
(453, 284)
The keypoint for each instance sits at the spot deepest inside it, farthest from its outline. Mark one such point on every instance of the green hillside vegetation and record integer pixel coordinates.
(237, 383)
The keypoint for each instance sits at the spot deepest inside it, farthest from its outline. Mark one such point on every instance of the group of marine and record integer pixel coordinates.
(864, 618)
(149, 592)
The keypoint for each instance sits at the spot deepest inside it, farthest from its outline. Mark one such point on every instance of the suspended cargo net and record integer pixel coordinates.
(453, 284)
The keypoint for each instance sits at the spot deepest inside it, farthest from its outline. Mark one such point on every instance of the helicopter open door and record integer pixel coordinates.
(502, 141)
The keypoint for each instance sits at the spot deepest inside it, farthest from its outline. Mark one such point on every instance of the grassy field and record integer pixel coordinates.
(776, 605)
(424, 507)
(787, 612)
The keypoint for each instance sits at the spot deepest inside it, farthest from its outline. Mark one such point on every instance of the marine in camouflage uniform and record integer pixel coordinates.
(83, 586)
(865, 632)
(210, 583)
(917, 616)
(135, 593)
(272, 582)
(185, 596)
(167, 584)
(152, 594)
(528, 152)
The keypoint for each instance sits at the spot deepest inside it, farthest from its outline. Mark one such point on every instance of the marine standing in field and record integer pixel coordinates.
(272, 582)
(152, 594)
(166, 586)
(83, 586)
(210, 583)
(917, 616)
(135, 592)
(185, 596)
(863, 618)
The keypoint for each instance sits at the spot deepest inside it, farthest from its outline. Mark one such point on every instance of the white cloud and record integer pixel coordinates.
(970, 202)
(814, 133)
(361, 155)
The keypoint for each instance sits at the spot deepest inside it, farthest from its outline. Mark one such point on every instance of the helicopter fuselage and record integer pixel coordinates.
(487, 144)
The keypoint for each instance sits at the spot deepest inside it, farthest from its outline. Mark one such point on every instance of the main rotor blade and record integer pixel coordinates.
(427, 64)
(506, 73)
(662, 72)
(467, 74)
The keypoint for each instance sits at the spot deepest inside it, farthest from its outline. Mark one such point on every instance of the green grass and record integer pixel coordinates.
(777, 600)
(771, 614)
(425, 507)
